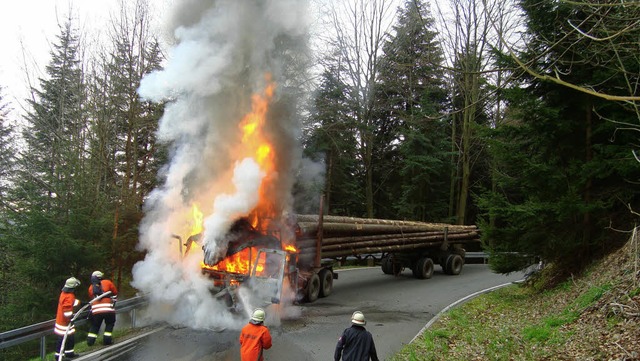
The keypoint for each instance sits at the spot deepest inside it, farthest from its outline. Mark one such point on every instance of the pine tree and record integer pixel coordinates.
(412, 136)
(330, 137)
(7, 152)
(564, 169)
(49, 232)
(7, 161)
(126, 156)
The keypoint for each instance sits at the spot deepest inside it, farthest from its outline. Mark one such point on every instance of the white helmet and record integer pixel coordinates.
(97, 274)
(358, 318)
(72, 282)
(258, 315)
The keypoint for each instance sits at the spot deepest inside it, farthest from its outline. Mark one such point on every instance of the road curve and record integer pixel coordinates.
(396, 309)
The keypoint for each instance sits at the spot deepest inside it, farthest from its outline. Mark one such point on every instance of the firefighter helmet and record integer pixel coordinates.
(97, 274)
(358, 318)
(72, 283)
(258, 315)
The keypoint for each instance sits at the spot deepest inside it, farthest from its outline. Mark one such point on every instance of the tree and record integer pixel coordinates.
(564, 170)
(412, 134)
(7, 152)
(125, 153)
(360, 28)
(330, 138)
(48, 230)
(465, 34)
(7, 162)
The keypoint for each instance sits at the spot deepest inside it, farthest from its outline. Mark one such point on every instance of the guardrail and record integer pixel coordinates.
(43, 329)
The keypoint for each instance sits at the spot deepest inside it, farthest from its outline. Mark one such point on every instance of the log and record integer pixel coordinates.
(382, 249)
(398, 240)
(314, 218)
(341, 240)
(333, 229)
(370, 250)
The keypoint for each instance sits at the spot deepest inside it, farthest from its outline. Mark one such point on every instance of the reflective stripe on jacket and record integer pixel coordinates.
(105, 304)
(66, 302)
(253, 339)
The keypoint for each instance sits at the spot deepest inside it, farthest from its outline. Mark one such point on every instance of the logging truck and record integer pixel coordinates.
(305, 260)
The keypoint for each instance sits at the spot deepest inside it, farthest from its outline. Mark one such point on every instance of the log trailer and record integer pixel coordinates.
(319, 241)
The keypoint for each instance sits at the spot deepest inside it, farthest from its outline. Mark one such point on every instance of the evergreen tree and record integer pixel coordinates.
(125, 154)
(330, 138)
(7, 161)
(411, 151)
(49, 233)
(564, 169)
(7, 153)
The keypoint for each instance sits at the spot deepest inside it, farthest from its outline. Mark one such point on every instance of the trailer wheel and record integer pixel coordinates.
(313, 288)
(386, 265)
(454, 264)
(326, 282)
(396, 268)
(423, 268)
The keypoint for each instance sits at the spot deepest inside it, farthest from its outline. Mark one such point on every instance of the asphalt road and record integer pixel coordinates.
(396, 309)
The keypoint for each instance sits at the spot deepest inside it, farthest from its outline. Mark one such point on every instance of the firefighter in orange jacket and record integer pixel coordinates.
(66, 303)
(254, 338)
(102, 310)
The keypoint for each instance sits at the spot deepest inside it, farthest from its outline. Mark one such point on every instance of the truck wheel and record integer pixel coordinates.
(313, 288)
(423, 268)
(454, 264)
(326, 282)
(396, 268)
(387, 267)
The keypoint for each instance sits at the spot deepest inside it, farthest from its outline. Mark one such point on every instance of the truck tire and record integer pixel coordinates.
(397, 268)
(326, 282)
(313, 288)
(423, 269)
(386, 265)
(454, 264)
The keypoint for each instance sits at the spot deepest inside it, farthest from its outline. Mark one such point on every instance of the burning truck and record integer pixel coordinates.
(267, 264)
(298, 255)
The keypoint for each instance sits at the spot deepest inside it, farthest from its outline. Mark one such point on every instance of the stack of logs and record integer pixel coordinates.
(348, 236)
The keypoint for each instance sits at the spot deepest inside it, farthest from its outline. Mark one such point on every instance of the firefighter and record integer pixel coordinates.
(102, 310)
(356, 343)
(254, 337)
(66, 303)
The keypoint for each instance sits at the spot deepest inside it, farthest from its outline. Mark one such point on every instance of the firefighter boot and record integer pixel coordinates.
(106, 339)
(91, 338)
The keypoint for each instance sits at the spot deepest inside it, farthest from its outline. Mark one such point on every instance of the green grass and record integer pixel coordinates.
(512, 323)
(81, 343)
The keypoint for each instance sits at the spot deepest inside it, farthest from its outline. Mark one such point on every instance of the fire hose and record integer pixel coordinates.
(64, 339)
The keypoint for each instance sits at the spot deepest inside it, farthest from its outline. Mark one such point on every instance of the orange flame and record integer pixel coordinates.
(290, 248)
(197, 220)
(239, 262)
(257, 145)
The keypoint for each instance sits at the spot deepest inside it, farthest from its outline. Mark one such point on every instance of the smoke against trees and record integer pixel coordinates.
(227, 56)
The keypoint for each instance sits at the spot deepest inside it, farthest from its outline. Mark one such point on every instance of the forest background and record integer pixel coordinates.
(519, 116)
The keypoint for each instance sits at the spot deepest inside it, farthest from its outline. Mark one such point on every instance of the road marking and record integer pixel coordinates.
(458, 302)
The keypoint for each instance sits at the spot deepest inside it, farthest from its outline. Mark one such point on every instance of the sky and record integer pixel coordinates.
(28, 29)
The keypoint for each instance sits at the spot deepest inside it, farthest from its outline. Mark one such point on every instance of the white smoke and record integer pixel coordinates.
(222, 51)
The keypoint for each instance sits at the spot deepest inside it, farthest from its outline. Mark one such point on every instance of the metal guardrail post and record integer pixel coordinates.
(43, 347)
(133, 318)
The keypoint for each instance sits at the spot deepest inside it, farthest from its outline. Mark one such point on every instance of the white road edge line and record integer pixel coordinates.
(458, 302)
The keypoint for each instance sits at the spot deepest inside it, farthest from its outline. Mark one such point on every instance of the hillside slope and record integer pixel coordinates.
(593, 317)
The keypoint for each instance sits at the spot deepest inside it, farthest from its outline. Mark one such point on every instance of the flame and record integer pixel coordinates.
(240, 262)
(198, 220)
(256, 144)
(290, 248)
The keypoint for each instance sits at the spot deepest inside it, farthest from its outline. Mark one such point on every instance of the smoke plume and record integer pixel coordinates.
(224, 53)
